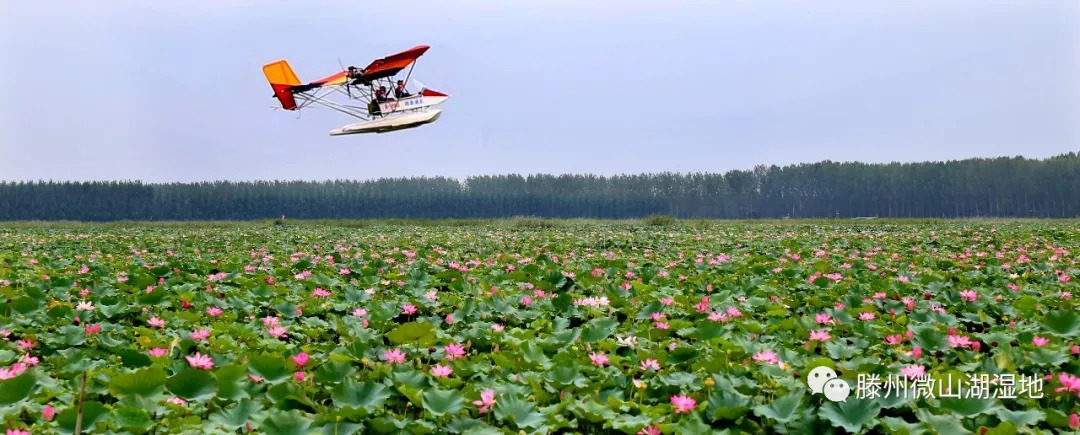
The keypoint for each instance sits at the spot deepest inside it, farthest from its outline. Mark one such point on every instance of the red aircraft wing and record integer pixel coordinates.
(392, 64)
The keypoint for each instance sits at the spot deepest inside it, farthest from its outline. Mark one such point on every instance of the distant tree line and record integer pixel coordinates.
(1006, 187)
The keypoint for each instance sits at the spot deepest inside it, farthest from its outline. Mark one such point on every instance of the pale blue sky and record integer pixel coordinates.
(173, 90)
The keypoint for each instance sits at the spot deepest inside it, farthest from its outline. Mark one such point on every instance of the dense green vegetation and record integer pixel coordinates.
(1003, 187)
(536, 326)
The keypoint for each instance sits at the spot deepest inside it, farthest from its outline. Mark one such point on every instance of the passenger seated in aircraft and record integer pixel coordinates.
(380, 94)
(400, 91)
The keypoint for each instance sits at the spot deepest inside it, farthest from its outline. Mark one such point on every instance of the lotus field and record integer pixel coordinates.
(583, 327)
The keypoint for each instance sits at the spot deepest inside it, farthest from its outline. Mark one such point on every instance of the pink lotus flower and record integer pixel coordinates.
(497, 327)
(969, 295)
(649, 430)
(270, 320)
(48, 412)
(527, 301)
(894, 339)
(301, 359)
(156, 322)
(449, 319)
(359, 312)
(650, 364)
(29, 360)
(766, 357)
(200, 334)
(823, 318)
(916, 352)
(320, 293)
(599, 359)
(454, 351)
(299, 376)
(821, 335)
(1069, 383)
(15, 370)
(1074, 421)
(486, 402)
(85, 306)
(408, 309)
(441, 371)
(200, 361)
(277, 331)
(177, 401)
(913, 371)
(683, 404)
(92, 329)
(17, 432)
(157, 352)
(214, 311)
(958, 341)
(394, 356)
(867, 316)
(1039, 341)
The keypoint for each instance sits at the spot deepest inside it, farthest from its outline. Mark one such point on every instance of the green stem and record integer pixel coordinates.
(79, 414)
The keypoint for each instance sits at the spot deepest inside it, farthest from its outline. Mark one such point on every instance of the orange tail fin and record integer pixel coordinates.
(281, 78)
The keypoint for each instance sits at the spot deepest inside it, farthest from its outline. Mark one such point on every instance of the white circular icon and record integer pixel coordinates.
(837, 390)
(818, 377)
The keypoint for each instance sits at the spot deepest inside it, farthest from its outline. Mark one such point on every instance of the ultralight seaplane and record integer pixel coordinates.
(388, 105)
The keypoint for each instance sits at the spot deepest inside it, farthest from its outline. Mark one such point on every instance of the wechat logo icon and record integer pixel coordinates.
(823, 380)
